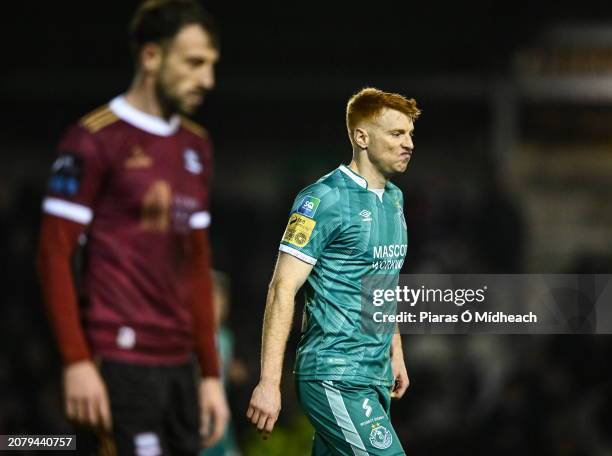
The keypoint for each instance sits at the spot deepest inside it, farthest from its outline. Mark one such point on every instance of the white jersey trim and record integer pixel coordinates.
(296, 253)
(199, 220)
(147, 122)
(353, 175)
(70, 211)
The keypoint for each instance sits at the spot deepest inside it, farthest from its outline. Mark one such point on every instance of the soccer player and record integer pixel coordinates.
(133, 177)
(337, 229)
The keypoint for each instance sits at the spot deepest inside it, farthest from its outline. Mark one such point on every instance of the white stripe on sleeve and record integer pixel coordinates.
(199, 220)
(70, 211)
(296, 253)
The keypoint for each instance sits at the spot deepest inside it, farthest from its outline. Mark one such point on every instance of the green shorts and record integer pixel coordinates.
(349, 419)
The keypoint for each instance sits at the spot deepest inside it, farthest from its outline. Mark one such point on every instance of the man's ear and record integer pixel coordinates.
(151, 55)
(361, 138)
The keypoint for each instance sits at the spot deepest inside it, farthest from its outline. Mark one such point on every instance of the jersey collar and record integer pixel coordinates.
(147, 122)
(354, 176)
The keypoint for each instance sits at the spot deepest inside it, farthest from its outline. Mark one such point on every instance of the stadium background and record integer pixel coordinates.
(512, 172)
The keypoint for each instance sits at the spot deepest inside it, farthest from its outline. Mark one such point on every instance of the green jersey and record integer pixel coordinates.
(348, 233)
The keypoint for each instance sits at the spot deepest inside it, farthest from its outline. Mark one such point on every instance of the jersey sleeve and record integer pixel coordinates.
(314, 222)
(74, 183)
(72, 188)
(76, 175)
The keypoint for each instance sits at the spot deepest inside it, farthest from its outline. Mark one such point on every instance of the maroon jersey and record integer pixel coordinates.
(140, 185)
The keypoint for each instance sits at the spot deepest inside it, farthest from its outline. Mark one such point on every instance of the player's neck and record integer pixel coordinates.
(141, 96)
(369, 172)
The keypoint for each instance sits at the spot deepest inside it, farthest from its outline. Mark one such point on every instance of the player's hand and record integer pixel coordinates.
(400, 375)
(85, 396)
(214, 412)
(265, 407)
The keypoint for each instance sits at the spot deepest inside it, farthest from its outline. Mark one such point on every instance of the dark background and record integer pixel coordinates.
(480, 194)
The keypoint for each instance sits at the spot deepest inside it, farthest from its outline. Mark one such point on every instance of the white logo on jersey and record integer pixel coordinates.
(65, 161)
(126, 337)
(366, 407)
(192, 161)
(147, 444)
(366, 215)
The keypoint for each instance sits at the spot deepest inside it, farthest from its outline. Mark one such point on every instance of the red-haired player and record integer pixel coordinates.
(134, 178)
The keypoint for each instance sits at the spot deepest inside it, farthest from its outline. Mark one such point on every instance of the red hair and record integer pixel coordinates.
(369, 102)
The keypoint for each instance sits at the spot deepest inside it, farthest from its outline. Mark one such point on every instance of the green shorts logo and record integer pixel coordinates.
(380, 437)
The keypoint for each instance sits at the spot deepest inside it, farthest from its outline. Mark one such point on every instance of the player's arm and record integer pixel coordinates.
(398, 366)
(201, 305)
(314, 222)
(67, 211)
(85, 397)
(214, 411)
(289, 275)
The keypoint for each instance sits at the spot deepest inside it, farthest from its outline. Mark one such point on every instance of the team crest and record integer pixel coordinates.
(380, 437)
(192, 161)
